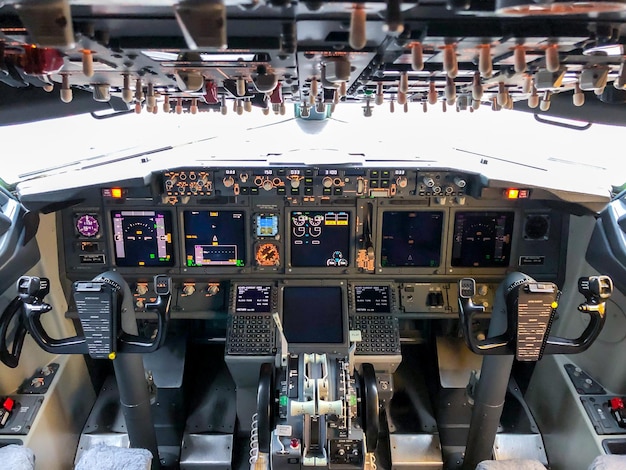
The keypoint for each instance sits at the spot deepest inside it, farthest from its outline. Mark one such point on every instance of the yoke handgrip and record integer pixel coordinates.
(31, 291)
(467, 309)
(11, 358)
(73, 345)
(596, 289)
(128, 343)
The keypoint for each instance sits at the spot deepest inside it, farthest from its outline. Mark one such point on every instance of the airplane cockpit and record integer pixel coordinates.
(351, 279)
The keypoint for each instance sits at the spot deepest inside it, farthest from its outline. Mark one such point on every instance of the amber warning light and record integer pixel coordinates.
(514, 193)
(116, 193)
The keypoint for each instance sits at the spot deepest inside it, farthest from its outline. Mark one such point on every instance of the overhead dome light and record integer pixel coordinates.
(531, 8)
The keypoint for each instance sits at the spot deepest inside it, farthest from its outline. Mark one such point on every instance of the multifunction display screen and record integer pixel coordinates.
(142, 238)
(313, 314)
(372, 299)
(257, 299)
(320, 238)
(482, 239)
(411, 239)
(214, 238)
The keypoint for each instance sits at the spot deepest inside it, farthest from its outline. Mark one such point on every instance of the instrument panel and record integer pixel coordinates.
(415, 232)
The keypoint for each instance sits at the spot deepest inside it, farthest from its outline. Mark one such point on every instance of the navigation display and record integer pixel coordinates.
(320, 238)
(482, 239)
(214, 238)
(255, 299)
(373, 299)
(313, 314)
(142, 238)
(411, 239)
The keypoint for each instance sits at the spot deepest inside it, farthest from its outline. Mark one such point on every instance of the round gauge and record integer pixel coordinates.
(267, 255)
(316, 220)
(87, 225)
(299, 220)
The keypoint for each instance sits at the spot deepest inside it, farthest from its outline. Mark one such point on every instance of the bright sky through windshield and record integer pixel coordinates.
(413, 136)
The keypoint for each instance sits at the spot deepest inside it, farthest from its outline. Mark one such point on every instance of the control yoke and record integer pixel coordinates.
(530, 309)
(100, 305)
(522, 315)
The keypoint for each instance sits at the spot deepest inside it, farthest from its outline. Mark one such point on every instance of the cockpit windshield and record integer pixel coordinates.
(498, 144)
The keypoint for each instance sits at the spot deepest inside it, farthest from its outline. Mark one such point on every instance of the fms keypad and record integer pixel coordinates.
(250, 335)
(380, 334)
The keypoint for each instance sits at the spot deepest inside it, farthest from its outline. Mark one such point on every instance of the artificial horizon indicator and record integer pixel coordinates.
(142, 238)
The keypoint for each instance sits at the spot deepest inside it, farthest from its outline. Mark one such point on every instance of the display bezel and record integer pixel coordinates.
(290, 268)
(340, 347)
(146, 268)
(414, 270)
(484, 270)
(215, 268)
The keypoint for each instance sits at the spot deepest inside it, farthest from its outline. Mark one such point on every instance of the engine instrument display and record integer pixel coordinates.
(255, 299)
(142, 238)
(313, 314)
(482, 239)
(320, 238)
(411, 238)
(214, 238)
(372, 299)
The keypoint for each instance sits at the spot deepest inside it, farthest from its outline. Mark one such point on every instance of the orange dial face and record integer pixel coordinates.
(267, 255)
